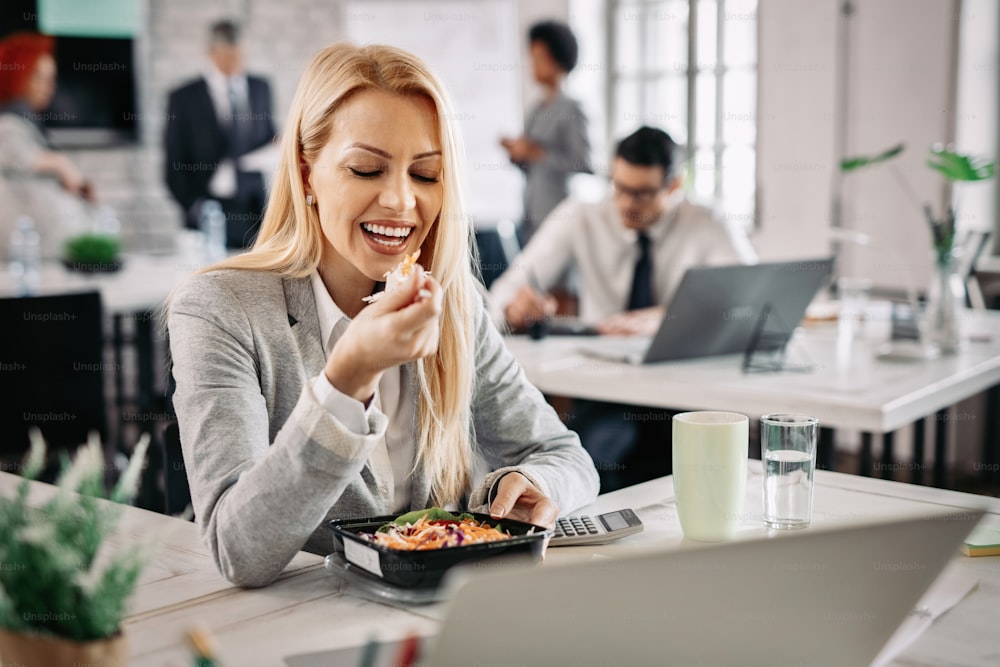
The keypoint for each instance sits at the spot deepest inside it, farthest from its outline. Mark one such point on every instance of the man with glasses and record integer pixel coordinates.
(602, 243)
(628, 253)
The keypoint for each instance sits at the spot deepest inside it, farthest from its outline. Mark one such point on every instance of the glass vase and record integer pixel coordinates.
(945, 303)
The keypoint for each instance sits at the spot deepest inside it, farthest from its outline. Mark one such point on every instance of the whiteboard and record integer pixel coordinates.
(474, 49)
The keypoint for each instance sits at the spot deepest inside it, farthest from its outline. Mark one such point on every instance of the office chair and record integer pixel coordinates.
(52, 369)
(498, 246)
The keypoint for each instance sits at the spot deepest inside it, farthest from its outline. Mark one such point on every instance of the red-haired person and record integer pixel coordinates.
(35, 180)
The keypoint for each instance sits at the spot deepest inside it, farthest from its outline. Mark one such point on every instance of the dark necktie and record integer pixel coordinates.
(641, 295)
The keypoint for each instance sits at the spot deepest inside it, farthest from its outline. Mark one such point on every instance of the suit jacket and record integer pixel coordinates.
(268, 465)
(195, 142)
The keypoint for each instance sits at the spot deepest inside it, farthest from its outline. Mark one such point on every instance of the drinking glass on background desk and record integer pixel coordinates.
(853, 294)
(788, 449)
(710, 471)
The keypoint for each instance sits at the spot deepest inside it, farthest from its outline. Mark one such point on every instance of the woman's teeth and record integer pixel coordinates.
(397, 232)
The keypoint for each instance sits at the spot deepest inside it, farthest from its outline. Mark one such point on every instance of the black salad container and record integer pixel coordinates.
(424, 569)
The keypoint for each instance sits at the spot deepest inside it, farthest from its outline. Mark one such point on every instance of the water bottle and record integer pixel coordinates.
(213, 225)
(107, 222)
(25, 257)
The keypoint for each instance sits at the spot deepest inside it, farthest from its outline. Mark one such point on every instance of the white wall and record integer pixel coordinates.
(899, 67)
(978, 107)
(796, 155)
(900, 70)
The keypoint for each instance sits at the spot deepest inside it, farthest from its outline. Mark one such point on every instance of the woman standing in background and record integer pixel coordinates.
(554, 144)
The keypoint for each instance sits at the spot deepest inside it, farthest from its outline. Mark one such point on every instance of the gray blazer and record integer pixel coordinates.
(268, 465)
(560, 127)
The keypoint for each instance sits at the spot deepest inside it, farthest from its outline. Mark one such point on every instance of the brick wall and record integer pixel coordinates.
(279, 36)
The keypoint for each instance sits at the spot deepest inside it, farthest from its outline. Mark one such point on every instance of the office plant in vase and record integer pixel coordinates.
(946, 294)
(64, 584)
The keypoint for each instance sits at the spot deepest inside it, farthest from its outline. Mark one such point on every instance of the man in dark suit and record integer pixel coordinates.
(216, 128)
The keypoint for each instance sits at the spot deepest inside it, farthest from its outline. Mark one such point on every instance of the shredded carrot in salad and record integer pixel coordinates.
(436, 534)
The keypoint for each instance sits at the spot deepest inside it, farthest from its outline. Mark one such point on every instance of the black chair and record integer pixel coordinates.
(52, 368)
(498, 247)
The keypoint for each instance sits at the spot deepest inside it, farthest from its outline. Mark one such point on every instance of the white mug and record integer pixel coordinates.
(710, 472)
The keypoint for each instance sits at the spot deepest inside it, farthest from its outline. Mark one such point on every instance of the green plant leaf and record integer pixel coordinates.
(61, 574)
(852, 163)
(959, 167)
(93, 249)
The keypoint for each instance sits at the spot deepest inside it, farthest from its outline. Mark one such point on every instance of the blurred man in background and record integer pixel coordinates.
(219, 139)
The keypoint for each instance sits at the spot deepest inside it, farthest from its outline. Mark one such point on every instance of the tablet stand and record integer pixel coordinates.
(766, 351)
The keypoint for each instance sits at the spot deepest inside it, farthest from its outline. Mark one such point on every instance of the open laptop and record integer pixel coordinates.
(720, 309)
(829, 596)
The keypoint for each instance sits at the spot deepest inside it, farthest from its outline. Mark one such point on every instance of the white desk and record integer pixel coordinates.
(310, 610)
(142, 283)
(856, 390)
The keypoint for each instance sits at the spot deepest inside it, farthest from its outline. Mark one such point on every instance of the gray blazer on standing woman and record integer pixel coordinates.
(560, 127)
(268, 465)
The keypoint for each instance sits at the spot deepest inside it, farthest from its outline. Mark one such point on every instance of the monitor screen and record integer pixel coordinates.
(94, 102)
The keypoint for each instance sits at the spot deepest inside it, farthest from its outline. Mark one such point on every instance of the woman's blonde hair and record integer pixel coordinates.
(291, 241)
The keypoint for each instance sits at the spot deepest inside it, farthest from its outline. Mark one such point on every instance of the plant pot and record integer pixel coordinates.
(37, 650)
(83, 266)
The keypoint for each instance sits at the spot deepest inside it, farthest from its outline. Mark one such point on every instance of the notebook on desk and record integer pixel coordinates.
(816, 597)
(719, 309)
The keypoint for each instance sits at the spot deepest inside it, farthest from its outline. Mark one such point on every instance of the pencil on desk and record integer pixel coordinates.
(204, 647)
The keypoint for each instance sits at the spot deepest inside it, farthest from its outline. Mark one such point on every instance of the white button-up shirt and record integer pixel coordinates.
(591, 239)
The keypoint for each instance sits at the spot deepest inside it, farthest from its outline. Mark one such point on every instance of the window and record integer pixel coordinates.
(690, 68)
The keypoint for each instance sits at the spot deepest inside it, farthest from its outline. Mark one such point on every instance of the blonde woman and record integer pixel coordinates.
(296, 400)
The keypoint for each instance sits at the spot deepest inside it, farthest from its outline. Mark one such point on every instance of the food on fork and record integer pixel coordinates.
(397, 276)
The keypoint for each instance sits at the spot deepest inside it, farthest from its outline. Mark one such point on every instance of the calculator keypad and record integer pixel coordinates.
(576, 525)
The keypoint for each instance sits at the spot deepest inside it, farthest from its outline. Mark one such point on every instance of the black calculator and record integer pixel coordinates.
(585, 529)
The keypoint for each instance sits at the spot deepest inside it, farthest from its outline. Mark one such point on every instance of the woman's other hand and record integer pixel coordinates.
(519, 499)
(402, 326)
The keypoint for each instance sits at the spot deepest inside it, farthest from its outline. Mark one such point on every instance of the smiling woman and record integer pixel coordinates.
(297, 400)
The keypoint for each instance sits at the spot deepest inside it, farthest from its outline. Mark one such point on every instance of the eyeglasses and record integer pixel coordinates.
(638, 195)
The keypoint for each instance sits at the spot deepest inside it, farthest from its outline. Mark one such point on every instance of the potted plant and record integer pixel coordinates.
(946, 294)
(63, 585)
(93, 252)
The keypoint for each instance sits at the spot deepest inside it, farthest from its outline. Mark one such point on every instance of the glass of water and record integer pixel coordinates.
(788, 450)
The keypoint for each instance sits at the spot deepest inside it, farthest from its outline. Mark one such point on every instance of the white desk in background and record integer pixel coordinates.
(140, 285)
(856, 390)
(310, 610)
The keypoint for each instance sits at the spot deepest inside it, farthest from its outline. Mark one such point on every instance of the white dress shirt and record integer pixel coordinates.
(591, 239)
(223, 183)
(393, 458)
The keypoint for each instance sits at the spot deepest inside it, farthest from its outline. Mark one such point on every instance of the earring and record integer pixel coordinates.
(309, 200)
